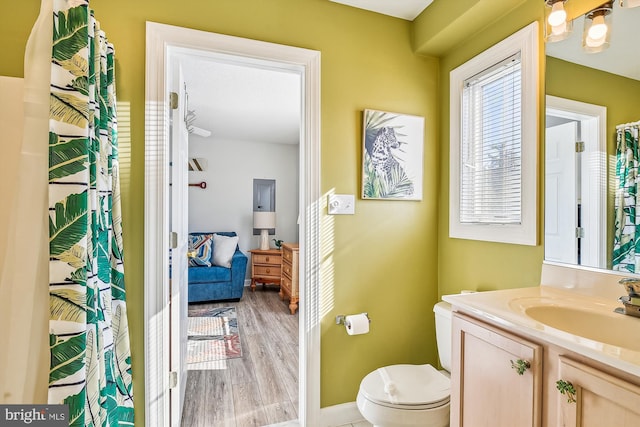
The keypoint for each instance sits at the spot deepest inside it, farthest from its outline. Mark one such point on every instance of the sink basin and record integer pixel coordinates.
(602, 326)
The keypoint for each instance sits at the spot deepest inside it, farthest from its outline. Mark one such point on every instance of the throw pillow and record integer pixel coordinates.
(201, 244)
(223, 249)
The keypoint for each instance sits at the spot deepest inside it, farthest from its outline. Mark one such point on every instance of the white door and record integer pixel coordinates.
(178, 202)
(561, 204)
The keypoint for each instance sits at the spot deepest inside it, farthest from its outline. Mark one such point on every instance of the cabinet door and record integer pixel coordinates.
(487, 390)
(600, 399)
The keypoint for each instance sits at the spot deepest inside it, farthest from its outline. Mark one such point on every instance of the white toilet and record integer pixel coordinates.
(411, 395)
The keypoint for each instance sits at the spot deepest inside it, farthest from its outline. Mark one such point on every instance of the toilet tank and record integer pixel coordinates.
(443, 333)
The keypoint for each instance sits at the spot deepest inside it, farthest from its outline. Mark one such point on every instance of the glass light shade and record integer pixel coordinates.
(597, 30)
(558, 15)
(556, 26)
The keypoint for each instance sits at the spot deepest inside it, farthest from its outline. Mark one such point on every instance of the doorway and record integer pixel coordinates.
(251, 115)
(575, 182)
(160, 39)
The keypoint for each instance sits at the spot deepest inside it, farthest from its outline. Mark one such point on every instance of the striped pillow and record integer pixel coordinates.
(201, 244)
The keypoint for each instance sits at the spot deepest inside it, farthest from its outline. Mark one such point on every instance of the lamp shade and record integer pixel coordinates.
(264, 220)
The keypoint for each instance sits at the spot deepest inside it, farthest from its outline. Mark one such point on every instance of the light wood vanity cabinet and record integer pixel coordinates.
(486, 391)
(600, 399)
(486, 388)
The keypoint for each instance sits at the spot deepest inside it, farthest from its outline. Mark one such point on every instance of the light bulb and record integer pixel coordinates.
(598, 29)
(559, 29)
(558, 16)
(590, 42)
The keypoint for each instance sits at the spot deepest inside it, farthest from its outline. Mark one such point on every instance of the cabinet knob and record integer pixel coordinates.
(567, 388)
(268, 270)
(520, 366)
(267, 259)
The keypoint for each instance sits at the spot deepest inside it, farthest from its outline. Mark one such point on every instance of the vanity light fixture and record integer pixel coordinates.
(597, 28)
(555, 17)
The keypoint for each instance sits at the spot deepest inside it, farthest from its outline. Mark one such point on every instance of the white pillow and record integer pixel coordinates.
(223, 249)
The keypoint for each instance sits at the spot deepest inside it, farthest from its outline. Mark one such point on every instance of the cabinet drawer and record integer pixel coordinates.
(287, 255)
(266, 270)
(286, 285)
(266, 259)
(287, 269)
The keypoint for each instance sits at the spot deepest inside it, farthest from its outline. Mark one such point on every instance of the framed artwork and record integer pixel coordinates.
(392, 156)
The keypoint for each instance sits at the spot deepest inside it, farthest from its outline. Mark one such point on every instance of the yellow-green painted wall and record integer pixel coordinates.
(619, 94)
(468, 264)
(391, 259)
(382, 259)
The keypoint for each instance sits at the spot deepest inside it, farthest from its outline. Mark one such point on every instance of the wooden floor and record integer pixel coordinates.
(259, 389)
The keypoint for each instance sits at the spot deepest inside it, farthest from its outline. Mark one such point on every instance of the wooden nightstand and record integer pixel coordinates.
(266, 267)
(290, 274)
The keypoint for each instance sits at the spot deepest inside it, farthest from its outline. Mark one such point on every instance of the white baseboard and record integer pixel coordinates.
(247, 283)
(338, 415)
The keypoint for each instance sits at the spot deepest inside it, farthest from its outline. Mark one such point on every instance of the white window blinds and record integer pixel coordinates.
(491, 145)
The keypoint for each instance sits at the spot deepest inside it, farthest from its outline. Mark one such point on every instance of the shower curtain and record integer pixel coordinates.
(89, 339)
(626, 239)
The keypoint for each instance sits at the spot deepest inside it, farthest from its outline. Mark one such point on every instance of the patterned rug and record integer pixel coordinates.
(212, 336)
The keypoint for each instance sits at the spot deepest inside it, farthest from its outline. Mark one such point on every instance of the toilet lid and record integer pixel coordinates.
(407, 385)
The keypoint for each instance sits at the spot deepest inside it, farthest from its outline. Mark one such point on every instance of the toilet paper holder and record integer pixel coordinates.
(341, 317)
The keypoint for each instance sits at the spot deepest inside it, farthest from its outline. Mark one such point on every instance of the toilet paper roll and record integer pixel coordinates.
(357, 324)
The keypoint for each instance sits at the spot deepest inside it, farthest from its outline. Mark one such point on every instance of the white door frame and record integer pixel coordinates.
(160, 38)
(593, 173)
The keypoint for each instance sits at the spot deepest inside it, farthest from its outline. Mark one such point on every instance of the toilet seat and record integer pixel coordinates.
(407, 387)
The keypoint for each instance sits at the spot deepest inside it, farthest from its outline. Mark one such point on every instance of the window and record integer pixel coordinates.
(494, 143)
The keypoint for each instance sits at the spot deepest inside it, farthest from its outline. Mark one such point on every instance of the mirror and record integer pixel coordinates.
(588, 94)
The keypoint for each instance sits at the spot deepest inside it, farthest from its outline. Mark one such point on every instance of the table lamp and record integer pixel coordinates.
(264, 221)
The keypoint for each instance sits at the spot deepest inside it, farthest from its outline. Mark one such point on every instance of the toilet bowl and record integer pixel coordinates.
(411, 395)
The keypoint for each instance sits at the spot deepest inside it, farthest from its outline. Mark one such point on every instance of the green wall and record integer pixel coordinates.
(391, 259)
(475, 265)
(619, 94)
(383, 259)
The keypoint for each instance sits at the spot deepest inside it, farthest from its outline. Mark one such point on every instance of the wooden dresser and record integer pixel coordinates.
(290, 272)
(266, 267)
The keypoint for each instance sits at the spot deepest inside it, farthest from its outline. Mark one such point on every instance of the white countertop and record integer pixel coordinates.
(506, 308)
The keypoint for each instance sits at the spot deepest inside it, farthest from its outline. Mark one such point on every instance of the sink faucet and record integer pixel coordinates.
(631, 301)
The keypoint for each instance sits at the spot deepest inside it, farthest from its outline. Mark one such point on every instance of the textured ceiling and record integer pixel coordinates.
(243, 103)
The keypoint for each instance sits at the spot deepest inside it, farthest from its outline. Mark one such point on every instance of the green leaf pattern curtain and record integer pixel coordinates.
(89, 339)
(626, 239)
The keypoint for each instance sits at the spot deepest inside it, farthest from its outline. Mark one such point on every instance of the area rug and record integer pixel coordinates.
(212, 336)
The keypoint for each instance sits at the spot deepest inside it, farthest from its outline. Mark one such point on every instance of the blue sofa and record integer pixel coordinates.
(218, 283)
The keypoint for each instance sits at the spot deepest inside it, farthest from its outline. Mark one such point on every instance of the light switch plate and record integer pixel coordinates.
(341, 204)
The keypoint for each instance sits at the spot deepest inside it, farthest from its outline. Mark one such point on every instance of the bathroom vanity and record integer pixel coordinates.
(513, 349)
